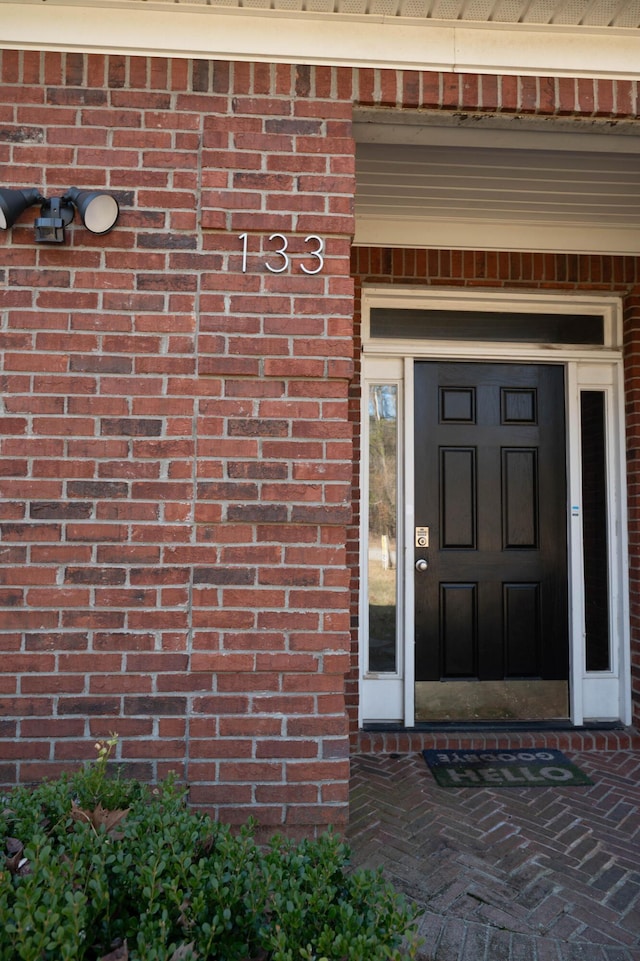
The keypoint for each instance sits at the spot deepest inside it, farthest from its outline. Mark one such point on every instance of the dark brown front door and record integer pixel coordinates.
(491, 606)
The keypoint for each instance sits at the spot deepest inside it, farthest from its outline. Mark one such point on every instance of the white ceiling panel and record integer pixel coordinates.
(572, 13)
(565, 199)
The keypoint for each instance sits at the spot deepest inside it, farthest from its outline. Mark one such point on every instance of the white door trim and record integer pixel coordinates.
(594, 696)
(409, 580)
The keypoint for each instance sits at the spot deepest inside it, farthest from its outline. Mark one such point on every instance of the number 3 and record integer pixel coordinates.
(281, 252)
(318, 254)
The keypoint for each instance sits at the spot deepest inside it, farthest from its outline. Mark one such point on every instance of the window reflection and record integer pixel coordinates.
(383, 496)
(595, 532)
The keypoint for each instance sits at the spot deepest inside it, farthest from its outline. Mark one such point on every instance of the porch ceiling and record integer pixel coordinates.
(605, 14)
(499, 188)
(599, 38)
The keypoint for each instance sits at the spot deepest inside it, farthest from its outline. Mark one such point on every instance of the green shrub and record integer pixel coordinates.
(105, 868)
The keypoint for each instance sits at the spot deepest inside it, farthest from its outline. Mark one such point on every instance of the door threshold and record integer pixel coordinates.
(479, 727)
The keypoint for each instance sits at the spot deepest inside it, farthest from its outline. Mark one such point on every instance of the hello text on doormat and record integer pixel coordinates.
(526, 768)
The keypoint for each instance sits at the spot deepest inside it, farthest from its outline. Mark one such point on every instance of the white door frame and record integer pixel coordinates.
(594, 695)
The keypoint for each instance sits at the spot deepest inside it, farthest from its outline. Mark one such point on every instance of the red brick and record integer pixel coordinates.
(222, 609)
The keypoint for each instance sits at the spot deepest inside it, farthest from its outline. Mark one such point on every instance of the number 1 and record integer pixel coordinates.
(245, 246)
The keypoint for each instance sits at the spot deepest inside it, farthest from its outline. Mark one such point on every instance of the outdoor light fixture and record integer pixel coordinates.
(98, 211)
(14, 202)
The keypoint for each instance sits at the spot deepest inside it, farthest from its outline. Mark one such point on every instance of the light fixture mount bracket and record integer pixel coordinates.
(55, 215)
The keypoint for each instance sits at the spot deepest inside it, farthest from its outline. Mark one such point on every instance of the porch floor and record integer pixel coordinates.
(508, 874)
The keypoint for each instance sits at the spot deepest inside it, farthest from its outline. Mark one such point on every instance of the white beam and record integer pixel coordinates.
(483, 235)
(227, 33)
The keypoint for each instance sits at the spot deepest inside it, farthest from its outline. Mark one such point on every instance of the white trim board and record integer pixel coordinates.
(523, 237)
(293, 36)
(594, 695)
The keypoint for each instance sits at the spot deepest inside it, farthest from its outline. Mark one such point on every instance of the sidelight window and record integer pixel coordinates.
(595, 531)
(382, 560)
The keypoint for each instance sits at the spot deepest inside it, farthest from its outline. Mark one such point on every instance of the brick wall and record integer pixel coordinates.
(176, 430)
(176, 451)
(548, 96)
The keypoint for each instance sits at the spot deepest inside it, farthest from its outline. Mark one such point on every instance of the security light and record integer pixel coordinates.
(98, 211)
(14, 202)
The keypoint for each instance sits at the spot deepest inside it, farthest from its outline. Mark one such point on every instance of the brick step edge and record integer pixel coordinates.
(410, 742)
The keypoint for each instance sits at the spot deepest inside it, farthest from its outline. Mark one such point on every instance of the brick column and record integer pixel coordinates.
(176, 448)
(270, 596)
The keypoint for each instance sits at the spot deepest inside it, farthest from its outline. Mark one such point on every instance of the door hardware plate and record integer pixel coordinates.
(422, 536)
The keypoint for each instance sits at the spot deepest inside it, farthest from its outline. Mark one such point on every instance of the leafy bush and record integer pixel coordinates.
(103, 869)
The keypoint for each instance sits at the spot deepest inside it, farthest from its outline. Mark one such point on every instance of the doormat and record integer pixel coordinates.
(532, 768)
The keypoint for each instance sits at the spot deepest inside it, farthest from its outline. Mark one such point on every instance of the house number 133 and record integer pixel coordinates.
(283, 259)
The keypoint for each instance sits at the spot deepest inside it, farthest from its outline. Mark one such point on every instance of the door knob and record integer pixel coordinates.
(421, 565)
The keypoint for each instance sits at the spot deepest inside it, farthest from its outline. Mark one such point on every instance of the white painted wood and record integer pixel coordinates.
(620, 600)
(381, 695)
(448, 298)
(381, 699)
(594, 695)
(408, 639)
(364, 704)
(498, 132)
(287, 32)
(601, 694)
(607, 694)
(463, 235)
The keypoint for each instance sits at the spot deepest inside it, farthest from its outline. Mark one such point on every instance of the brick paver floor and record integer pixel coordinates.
(508, 874)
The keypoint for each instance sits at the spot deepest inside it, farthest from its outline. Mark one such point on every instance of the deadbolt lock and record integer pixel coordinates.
(422, 536)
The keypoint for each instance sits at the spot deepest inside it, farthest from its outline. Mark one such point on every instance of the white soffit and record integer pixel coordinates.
(594, 38)
(498, 189)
